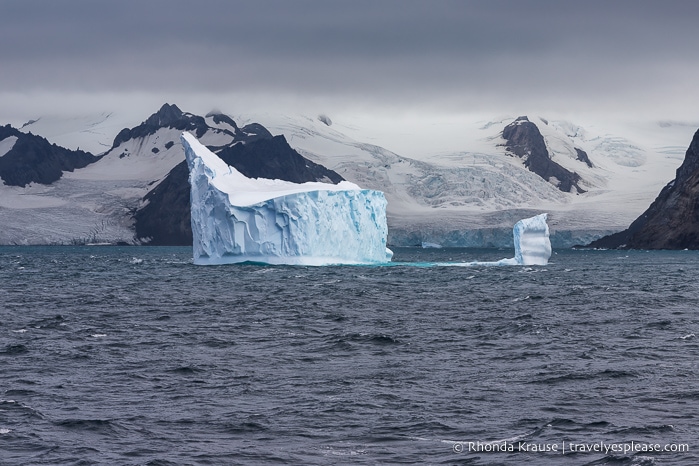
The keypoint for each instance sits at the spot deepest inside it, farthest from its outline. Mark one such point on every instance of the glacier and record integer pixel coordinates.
(238, 219)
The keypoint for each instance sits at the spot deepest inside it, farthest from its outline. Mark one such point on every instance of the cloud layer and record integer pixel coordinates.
(632, 57)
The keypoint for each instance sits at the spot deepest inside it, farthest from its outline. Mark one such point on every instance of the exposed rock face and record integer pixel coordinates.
(583, 157)
(525, 141)
(165, 217)
(32, 159)
(672, 220)
(274, 158)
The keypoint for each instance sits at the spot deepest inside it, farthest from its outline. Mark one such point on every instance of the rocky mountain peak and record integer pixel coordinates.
(167, 116)
(524, 140)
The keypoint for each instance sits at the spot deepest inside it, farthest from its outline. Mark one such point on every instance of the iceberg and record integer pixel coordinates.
(238, 219)
(532, 243)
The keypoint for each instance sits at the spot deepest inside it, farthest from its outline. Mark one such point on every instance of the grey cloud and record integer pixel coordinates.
(385, 51)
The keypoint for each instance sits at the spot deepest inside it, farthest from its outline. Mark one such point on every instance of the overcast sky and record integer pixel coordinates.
(631, 58)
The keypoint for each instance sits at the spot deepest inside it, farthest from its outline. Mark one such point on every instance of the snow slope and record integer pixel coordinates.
(7, 144)
(90, 132)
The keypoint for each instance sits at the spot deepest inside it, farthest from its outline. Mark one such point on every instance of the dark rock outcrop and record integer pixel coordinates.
(524, 140)
(274, 158)
(33, 159)
(583, 157)
(164, 218)
(672, 220)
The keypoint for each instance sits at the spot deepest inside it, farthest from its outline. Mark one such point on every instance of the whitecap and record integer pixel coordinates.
(349, 450)
(643, 460)
(5, 431)
(691, 335)
(99, 335)
(22, 330)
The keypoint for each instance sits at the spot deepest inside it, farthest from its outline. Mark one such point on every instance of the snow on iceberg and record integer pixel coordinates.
(239, 219)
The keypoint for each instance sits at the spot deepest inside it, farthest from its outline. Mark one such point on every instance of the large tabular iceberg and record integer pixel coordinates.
(238, 219)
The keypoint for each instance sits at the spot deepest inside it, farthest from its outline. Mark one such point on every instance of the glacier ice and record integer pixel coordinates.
(239, 219)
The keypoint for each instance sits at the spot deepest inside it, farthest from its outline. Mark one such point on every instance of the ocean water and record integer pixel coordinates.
(131, 356)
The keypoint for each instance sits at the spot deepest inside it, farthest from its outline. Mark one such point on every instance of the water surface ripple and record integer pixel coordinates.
(135, 356)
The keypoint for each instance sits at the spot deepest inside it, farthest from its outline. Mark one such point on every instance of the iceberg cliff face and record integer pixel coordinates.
(238, 219)
(532, 244)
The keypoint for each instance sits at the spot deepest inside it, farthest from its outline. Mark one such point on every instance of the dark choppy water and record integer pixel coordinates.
(135, 356)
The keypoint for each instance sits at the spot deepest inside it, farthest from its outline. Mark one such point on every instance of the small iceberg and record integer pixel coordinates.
(532, 245)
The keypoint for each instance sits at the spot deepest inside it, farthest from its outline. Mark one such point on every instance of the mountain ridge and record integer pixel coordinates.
(33, 159)
(463, 198)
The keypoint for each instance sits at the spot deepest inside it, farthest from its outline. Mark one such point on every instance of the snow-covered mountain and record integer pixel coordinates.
(163, 218)
(468, 191)
(137, 191)
(472, 195)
